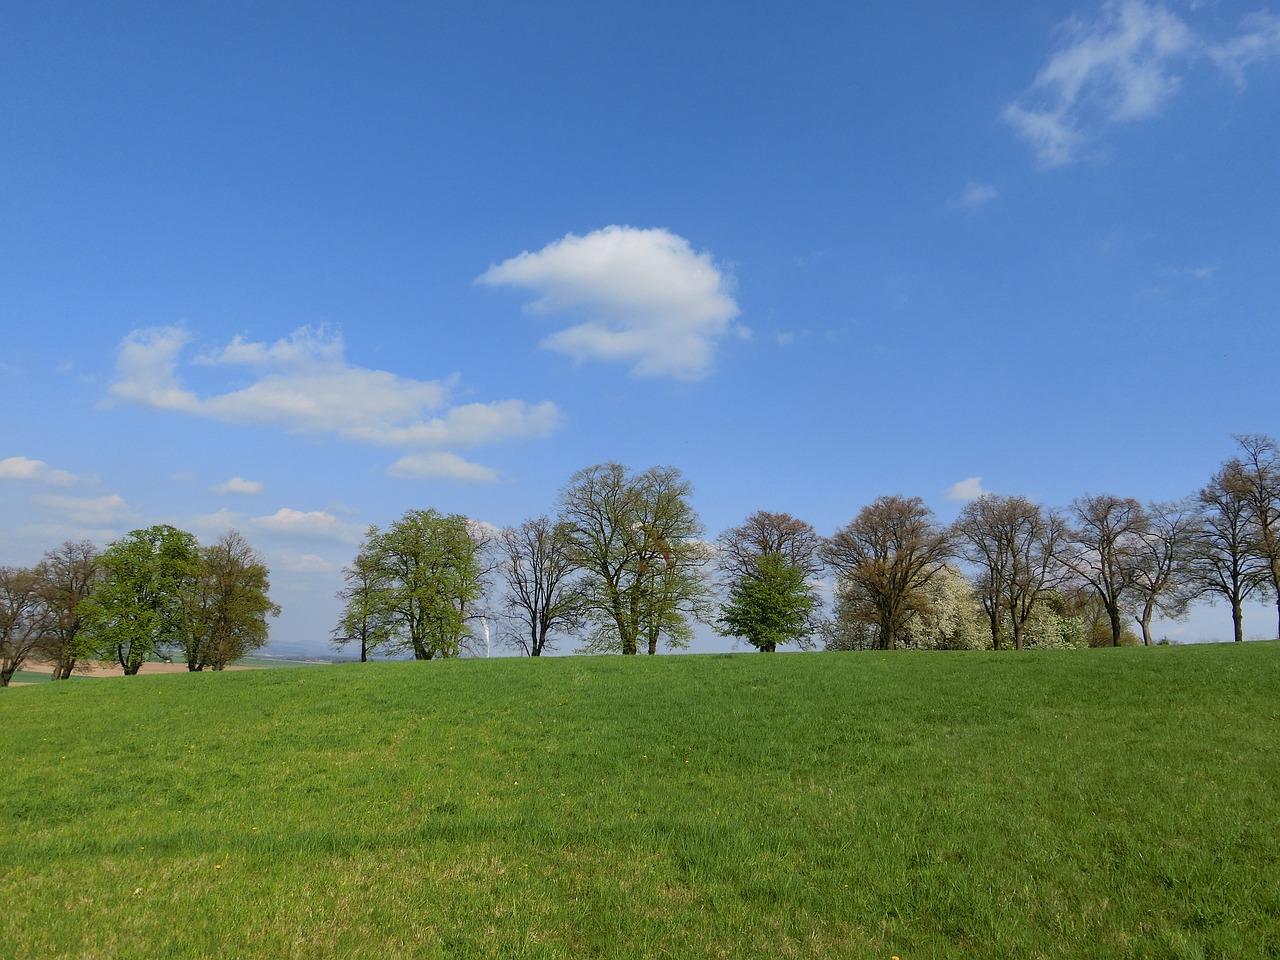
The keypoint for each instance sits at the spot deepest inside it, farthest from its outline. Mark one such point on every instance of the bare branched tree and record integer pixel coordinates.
(1106, 552)
(543, 597)
(887, 554)
(1258, 473)
(67, 575)
(1224, 564)
(1015, 547)
(1163, 578)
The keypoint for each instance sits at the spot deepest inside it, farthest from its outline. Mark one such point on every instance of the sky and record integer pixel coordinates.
(295, 269)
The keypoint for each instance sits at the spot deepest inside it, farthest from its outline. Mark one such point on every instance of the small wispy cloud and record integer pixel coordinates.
(314, 524)
(34, 471)
(238, 485)
(974, 195)
(1258, 40)
(645, 296)
(966, 490)
(294, 562)
(1121, 67)
(104, 511)
(440, 466)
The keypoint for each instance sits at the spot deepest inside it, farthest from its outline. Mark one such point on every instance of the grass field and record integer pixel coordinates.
(1096, 803)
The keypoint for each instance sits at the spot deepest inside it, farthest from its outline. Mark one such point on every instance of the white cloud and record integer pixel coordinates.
(965, 490)
(1259, 40)
(317, 524)
(304, 384)
(1122, 67)
(292, 562)
(974, 195)
(645, 296)
(238, 485)
(146, 368)
(470, 425)
(34, 471)
(217, 522)
(101, 511)
(440, 466)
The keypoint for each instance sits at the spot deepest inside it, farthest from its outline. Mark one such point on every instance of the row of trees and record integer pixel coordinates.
(155, 591)
(624, 566)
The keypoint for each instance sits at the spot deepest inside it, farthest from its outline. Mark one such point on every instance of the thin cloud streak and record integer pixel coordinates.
(1120, 68)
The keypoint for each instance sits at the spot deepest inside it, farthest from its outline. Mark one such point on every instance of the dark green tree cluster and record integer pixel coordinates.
(154, 592)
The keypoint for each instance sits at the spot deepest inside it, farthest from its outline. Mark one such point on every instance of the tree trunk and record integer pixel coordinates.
(1113, 614)
(1237, 621)
(1144, 621)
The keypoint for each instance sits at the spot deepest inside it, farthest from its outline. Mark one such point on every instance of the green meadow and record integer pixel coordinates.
(1094, 803)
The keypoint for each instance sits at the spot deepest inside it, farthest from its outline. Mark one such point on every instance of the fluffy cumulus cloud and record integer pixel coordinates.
(966, 490)
(1124, 66)
(34, 471)
(304, 384)
(643, 297)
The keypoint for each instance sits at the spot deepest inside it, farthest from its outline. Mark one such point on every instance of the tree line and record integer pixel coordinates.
(624, 567)
(154, 592)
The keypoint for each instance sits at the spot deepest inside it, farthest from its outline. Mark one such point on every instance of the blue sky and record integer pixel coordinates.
(297, 270)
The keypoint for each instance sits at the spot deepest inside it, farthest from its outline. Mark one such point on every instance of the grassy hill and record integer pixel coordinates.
(1104, 803)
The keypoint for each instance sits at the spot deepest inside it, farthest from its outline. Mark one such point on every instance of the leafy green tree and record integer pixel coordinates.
(427, 574)
(66, 576)
(884, 558)
(771, 606)
(229, 604)
(22, 619)
(637, 541)
(140, 607)
(362, 621)
(752, 559)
